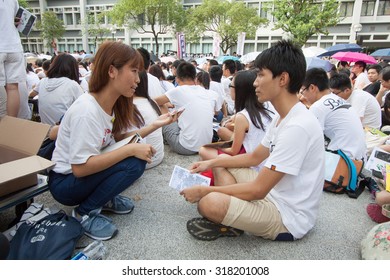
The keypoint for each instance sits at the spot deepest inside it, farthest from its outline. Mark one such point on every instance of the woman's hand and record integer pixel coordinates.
(143, 151)
(166, 119)
(194, 194)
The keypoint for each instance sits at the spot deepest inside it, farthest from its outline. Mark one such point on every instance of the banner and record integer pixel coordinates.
(181, 45)
(216, 42)
(240, 43)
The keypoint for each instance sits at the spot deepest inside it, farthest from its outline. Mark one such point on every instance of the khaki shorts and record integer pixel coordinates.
(259, 217)
(12, 68)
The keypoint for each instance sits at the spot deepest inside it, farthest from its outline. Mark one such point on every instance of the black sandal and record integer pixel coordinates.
(206, 230)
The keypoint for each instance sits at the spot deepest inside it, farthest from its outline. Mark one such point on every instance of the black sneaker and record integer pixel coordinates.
(206, 230)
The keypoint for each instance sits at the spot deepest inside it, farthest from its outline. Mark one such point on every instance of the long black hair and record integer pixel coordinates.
(142, 91)
(245, 98)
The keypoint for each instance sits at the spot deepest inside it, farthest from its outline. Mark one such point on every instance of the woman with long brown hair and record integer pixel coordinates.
(83, 175)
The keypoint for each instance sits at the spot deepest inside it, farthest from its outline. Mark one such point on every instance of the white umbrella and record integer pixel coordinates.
(313, 51)
(167, 59)
(44, 56)
(249, 57)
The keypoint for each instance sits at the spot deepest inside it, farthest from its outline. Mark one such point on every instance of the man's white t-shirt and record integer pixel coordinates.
(296, 148)
(367, 108)
(196, 122)
(227, 97)
(10, 39)
(341, 125)
(154, 86)
(361, 81)
(84, 131)
(218, 88)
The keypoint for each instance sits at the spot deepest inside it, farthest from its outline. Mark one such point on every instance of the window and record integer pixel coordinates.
(255, 6)
(265, 10)
(368, 8)
(77, 18)
(262, 46)
(249, 47)
(69, 19)
(207, 48)
(384, 8)
(346, 9)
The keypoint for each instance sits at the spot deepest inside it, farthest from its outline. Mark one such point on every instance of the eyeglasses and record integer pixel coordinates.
(303, 90)
(338, 92)
(231, 86)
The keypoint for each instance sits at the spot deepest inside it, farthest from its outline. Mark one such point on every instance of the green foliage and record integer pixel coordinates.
(304, 18)
(94, 27)
(155, 17)
(51, 27)
(23, 3)
(226, 18)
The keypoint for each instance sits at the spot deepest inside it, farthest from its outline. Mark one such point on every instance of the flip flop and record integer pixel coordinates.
(206, 230)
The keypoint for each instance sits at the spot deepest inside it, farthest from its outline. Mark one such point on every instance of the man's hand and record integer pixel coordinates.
(200, 166)
(16, 21)
(195, 193)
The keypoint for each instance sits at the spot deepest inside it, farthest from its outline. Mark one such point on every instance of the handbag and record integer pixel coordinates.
(341, 174)
(53, 237)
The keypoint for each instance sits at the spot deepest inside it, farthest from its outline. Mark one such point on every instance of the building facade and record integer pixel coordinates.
(364, 21)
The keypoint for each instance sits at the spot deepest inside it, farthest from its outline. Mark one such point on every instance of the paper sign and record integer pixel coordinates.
(182, 178)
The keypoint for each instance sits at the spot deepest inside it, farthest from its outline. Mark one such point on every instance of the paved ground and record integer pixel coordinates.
(157, 227)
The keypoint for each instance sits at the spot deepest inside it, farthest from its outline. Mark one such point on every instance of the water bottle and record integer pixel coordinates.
(94, 251)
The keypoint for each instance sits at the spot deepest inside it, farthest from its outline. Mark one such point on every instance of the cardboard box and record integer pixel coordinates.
(20, 141)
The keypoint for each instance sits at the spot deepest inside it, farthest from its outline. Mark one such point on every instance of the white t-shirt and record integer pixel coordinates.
(84, 131)
(218, 88)
(154, 87)
(55, 97)
(341, 125)
(361, 81)
(155, 138)
(367, 108)
(254, 135)
(296, 148)
(196, 122)
(10, 39)
(32, 80)
(227, 97)
(165, 85)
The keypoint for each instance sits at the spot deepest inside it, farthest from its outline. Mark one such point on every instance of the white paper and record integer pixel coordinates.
(182, 178)
(117, 145)
(331, 161)
(27, 21)
(374, 162)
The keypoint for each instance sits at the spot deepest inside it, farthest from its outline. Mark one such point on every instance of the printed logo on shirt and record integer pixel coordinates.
(107, 137)
(273, 167)
(334, 104)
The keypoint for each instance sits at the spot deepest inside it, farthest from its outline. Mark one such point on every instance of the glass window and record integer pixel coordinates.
(77, 18)
(265, 10)
(249, 47)
(69, 19)
(262, 46)
(254, 5)
(368, 8)
(207, 48)
(346, 9)
(384, 8)
(60, 17)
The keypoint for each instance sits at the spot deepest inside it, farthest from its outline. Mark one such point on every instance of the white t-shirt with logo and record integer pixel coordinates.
(341, 125)
(296, 148)
(85, 129)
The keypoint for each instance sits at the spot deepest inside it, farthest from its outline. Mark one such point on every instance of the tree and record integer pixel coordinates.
(92, 26)
(23, 3)
(51, 27)
(155, 17)
(304, 18)
(226, 18)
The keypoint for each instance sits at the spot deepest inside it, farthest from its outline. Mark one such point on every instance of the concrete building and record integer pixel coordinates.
(363, 21)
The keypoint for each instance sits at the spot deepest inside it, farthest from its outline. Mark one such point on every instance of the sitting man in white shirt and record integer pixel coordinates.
(194, 128)
(362, 102)
(340, 123)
